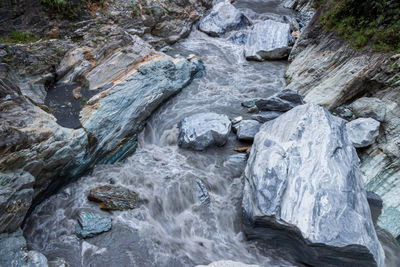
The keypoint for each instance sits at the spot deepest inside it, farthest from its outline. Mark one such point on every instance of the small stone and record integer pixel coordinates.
(249, 103)
(281, 102)
(76, 93)
(113, 197)
(91, 224)
(242, 149)
(363, 132)
(237, 119)
(247, 129)
(253, 110)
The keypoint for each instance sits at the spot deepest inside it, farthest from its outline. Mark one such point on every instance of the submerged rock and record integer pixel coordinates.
(247, 129)
(202, 130)
(224, 17)
(91, 224)
(202, 192)
(280, 102)
(304, 191)
(16, 194)
(375, 204)
(13, 252)
(268, 40)
(362, 132)
(113, 197)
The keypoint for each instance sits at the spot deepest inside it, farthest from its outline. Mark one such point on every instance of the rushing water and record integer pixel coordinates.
(171, 227)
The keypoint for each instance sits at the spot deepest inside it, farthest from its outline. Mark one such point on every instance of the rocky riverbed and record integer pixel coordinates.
(119, 135)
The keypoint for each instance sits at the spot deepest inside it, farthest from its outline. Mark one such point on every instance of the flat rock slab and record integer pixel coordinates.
(247, 129)
(224, 17)
(114, 197)
(202, 130)
(91, 224)
(304, 191)
(268, 40)
(363, 132)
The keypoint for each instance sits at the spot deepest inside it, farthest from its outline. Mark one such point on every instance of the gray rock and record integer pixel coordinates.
(16, 195)
(247, 129)
(282, 101)
(265, 116)
(13, 252)
(113, 197)
(223, 17)
(362, 132)
(36, 259)
(375, 204)
(202, 130)
(202, 192)
(228, 263)
(91, 224)
(236, 164)
(304, 190)
(369, 107)
(268, 40)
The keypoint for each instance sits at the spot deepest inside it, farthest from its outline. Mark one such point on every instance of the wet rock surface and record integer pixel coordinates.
(91, 224)
(223, 17)
(363, 132)
(247, 129)
(266, 116)
(302, 172)
(268, 40)
(202, 130)
(113, 197)
(13, 252)
(16, 194)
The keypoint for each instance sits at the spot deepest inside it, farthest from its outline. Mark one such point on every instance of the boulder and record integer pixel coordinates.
(280, 102)
(369, 107)
(16, 195)
(223, 17)
(247, 129)
(362, 132)
(113, 197)
(91, 224)
(202, 130)
(304, 191)
(268, 40)
(266, 116)
(13, 252)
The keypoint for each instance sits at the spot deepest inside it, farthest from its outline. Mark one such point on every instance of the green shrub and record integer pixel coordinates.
(16, 37)
(65, 8)
(375, 23)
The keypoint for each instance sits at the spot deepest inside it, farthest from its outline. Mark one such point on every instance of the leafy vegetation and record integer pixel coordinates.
(65, 8)
(17, 37)
(373, 23)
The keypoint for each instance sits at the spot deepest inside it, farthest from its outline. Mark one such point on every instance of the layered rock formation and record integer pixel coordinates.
(304, 190)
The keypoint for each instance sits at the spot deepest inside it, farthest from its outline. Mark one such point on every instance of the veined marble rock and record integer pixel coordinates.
(304, 190)
(223, 17)
(268, 40)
